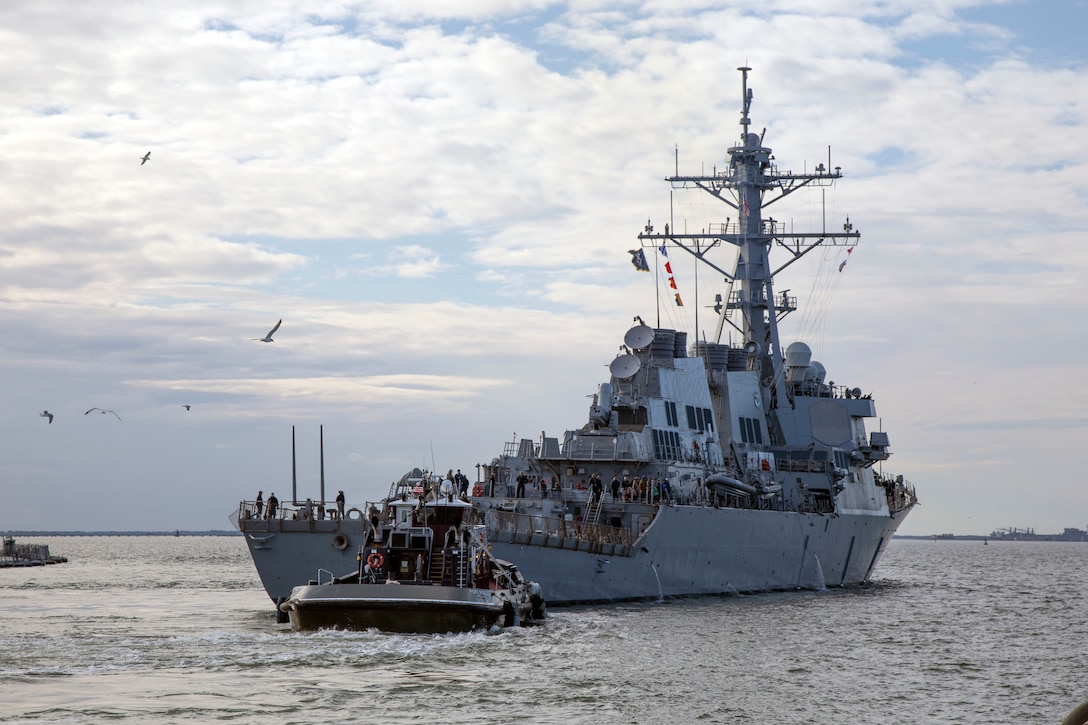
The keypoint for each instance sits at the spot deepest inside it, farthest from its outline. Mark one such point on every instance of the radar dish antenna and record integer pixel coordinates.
(625, 366)
(639, 337)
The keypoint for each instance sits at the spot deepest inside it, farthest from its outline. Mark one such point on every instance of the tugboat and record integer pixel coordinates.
(421, 570)
(723, 466)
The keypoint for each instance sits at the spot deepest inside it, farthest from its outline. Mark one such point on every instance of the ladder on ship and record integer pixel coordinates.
(438, 562)
(593, 513)
(450, 568)
(461, 567)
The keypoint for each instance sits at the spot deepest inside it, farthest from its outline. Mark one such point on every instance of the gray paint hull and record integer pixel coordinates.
(699, 551)
(688, 550)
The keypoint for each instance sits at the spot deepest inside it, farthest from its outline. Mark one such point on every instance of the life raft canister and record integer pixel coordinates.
(375, 560)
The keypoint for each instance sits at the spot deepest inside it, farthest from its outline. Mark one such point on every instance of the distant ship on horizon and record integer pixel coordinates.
(1015, 534)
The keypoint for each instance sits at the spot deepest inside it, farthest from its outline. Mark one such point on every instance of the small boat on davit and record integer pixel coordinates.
(423, 571)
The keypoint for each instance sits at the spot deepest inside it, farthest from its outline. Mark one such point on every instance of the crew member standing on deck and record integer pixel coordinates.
(340, 505)
(596, 487)
(258, 505)
(273, 504)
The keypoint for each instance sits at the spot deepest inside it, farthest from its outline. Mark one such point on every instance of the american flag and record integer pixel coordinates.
(747, 211)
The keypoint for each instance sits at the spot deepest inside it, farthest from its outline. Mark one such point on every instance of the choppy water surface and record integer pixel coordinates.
(142, 629)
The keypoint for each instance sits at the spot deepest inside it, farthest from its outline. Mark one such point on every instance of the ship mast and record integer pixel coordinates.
(749, 184)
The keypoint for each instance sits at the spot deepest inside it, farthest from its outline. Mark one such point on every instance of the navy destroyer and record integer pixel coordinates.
(707, 468)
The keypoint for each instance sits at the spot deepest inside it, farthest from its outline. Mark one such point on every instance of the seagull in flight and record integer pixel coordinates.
(103, 412)
(186, 406)
(145, 158)
(268, 337)
(46, 414)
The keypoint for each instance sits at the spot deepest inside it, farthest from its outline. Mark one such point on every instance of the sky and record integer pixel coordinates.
(437, 199)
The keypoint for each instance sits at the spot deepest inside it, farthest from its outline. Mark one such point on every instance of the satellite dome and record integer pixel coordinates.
(798, 355)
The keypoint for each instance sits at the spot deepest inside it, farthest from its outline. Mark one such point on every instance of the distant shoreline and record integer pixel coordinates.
(942, 537)
(225, 532)
(977, 537)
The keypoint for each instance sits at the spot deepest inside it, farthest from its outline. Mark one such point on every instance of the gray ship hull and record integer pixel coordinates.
(688, 550)
(701, 551)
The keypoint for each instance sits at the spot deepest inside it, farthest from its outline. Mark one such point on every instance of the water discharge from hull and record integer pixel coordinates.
(660, 594)
(821, 583)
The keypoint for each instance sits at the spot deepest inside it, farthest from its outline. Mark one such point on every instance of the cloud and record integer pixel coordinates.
(438, 199)
(415, 262)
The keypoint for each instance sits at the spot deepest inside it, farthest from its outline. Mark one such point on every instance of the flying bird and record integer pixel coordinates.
(103, 412)
(268, 337)
(46, 414)
(145, 158)
(186, 407)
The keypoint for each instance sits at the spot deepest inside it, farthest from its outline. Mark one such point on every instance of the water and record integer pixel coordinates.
(174, 630)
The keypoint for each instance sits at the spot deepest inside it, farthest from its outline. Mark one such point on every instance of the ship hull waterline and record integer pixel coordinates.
(687, 551)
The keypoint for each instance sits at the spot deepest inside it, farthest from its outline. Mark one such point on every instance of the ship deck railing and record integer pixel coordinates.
(696, 496)
(794, 465)
(573, 494)
(901, 493)
(549, 531)
(594, 448)
(294, 517)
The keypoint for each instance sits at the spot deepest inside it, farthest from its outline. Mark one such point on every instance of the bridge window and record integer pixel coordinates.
(750, 431)
(666, 445)
(700, 419)
(670, 414)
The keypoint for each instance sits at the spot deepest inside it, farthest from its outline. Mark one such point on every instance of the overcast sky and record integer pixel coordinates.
(438, 197)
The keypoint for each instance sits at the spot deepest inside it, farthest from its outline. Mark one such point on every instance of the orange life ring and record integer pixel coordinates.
(375, 560)
(477, 490)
